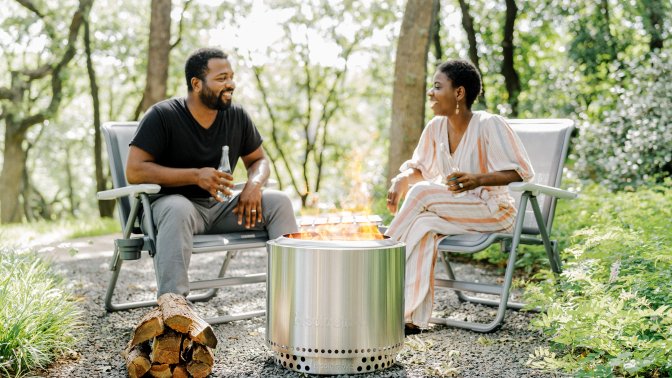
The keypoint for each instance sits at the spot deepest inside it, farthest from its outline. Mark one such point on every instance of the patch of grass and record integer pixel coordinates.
(93, 227)
(38, 319)
(27, 235)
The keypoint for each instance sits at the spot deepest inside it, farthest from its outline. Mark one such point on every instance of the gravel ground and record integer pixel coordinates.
(241, 352)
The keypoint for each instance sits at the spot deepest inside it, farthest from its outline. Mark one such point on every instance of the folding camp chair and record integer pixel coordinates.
(546, 142)
(130, 198)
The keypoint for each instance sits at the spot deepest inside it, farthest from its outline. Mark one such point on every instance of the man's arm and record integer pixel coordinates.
(257, 167)
(141, 168)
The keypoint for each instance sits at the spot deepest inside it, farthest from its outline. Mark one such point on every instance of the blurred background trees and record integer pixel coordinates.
(322, 81)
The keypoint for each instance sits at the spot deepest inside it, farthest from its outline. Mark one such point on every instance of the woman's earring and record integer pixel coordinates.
(457, 109)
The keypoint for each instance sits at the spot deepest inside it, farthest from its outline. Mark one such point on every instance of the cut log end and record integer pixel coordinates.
(199, 369)
(150, 326)
(137, 360)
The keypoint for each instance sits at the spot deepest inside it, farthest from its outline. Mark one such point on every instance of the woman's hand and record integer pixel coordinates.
(397, 191)
(459, 182)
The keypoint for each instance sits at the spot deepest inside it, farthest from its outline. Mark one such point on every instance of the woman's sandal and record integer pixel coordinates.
(411, 329)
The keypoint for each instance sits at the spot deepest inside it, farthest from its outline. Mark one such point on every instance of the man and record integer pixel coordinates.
(178, 146)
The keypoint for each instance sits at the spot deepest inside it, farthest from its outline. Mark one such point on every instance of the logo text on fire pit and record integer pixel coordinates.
(333, 367)
(323, 322)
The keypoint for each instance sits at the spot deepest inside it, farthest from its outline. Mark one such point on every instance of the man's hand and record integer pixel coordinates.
(249, 205)
(213, 180)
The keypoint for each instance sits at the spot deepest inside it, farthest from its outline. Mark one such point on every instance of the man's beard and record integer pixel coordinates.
(212, 100)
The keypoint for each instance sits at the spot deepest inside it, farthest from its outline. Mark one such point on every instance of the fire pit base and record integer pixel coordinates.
(336, 363)
(335, 307)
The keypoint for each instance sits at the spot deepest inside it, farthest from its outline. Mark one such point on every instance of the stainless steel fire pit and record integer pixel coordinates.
(335, 307)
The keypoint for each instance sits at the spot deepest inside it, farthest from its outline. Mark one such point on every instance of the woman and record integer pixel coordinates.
(457, 179)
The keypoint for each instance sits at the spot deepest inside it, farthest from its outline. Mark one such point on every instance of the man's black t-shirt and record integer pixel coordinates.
(170, 133)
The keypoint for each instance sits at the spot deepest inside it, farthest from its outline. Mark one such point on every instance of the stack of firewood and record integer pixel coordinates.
(171, 341)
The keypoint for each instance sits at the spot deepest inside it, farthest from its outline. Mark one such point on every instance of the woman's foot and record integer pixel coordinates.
(411, 329)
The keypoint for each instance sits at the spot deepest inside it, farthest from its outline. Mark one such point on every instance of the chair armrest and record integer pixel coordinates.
(543, 189)
(130, 190)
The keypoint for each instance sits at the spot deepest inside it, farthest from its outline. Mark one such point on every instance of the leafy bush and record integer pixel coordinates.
(609, 312)
(38, 320)
(631, 143)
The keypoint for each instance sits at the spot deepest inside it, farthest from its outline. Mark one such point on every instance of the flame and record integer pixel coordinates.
(338, 228)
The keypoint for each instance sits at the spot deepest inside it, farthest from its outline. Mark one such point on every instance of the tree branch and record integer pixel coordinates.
(179, 27)
(31, 7)
(5, 93)
(56, 79)
(38, 72)
(274, 134)
(328, 113)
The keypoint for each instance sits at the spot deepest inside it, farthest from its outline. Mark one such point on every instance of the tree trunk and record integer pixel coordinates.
(654, 15)
(13, 168)
(158, 55)
(410, 83)
(436, 32)
(69, 182)
(511, 79)
(611, 41)
(105, 208)
(468, 25)
(19, 117)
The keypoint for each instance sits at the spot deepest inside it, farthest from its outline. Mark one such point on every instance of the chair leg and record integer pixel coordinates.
(222, 271)
(502, 304)
(503, 291)
(550, 246)
(451, 276)
(109, 306)
(230, 318)
(473, 299)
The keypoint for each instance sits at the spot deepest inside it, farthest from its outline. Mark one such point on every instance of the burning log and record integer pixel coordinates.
(171, 341)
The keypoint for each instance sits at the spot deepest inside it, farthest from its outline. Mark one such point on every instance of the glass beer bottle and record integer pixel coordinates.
(225, 167)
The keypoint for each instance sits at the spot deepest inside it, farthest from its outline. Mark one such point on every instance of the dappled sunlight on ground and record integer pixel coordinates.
(24, 238)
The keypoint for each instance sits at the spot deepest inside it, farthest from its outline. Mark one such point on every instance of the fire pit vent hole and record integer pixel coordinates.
(385, 361)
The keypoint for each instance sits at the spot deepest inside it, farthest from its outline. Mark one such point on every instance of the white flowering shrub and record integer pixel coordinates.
(632, 145)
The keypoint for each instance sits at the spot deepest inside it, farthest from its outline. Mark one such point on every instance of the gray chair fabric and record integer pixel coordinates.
(546, 142)
(131, 198)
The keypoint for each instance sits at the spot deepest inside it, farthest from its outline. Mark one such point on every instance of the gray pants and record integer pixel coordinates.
(178, 218)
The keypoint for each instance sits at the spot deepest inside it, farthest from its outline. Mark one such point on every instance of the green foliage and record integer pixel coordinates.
(318, 93)
(632, 143)
(609, 311)
(38, 319)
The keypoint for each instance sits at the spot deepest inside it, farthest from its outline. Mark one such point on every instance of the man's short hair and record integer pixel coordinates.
(197, 63)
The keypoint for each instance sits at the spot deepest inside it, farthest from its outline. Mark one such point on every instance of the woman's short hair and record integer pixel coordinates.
(463, 74)
(197, 63)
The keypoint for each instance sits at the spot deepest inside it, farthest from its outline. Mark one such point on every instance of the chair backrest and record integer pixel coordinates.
(117, 136)
(546, 142)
